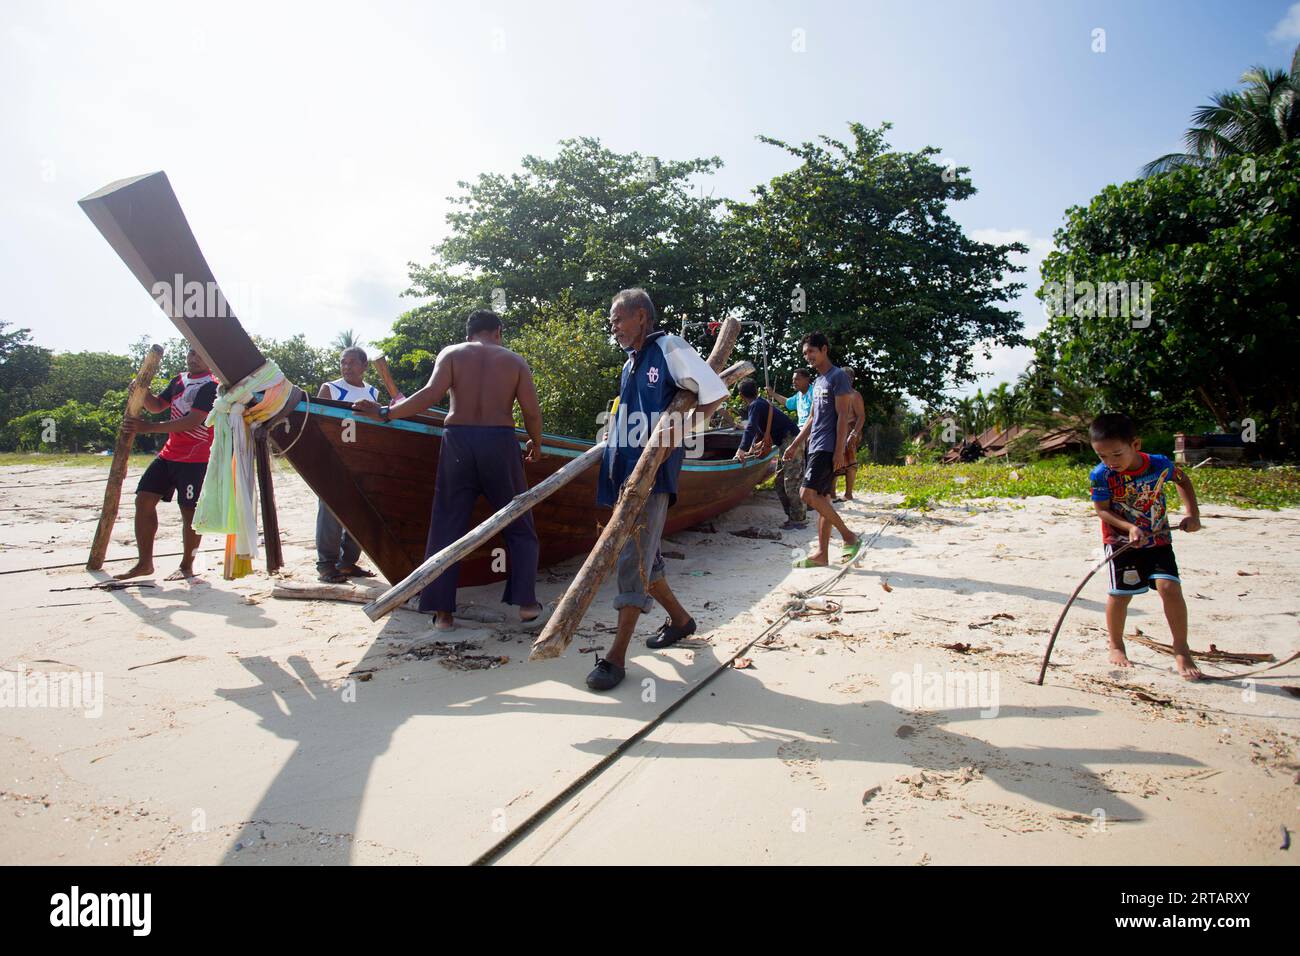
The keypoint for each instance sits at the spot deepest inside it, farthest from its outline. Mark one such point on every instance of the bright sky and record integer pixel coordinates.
(313, 145)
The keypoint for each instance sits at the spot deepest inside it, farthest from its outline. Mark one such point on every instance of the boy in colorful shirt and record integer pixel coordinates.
(181, 465)
(1128, 495)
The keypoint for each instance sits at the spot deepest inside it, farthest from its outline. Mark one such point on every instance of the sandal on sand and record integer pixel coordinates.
(808, 563)
(850, 551)
(331, 576)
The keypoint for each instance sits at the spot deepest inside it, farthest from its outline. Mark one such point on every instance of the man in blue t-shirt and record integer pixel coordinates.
(1128, 495)
(826, 436)
(801, 401)
(765, 429)
(657, 366)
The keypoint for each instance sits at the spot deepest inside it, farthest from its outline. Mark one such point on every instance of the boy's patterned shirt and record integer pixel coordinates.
(1136, 496)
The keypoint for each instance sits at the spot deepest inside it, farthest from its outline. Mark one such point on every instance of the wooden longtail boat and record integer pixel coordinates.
(377, 477)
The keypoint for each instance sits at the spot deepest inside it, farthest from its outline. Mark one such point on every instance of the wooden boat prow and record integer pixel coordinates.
(378, 477)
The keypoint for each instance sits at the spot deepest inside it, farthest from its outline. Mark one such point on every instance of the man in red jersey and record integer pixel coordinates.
(179, 467)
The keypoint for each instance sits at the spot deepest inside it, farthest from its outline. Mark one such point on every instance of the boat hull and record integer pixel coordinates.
(378, 479)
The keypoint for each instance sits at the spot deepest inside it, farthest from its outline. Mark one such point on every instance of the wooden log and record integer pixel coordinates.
(386, 374)
(353, 593)
(121, 456)
(632, 498)
(270, 520)
(437, 564)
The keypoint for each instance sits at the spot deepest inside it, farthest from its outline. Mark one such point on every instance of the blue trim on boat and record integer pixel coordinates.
(401, 424)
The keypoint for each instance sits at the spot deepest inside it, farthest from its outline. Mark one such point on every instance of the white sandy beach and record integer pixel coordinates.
(238, 728)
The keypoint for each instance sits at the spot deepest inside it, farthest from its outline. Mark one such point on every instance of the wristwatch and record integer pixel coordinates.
(383, 413)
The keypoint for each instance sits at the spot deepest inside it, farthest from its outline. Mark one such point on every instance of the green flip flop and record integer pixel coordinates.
(807, 563)
(850, 551)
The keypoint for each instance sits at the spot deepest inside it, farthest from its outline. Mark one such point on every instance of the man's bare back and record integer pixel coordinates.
(483, 381)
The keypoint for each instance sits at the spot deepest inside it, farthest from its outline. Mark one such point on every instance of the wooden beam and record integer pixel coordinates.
(386, 374)
(270, 520)
(632, 498)
(121, 458)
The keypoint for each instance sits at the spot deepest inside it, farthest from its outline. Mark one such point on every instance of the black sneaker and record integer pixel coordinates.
(605, 675)
(668, 635)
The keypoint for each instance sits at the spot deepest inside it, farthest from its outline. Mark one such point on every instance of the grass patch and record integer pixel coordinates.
(924, 485)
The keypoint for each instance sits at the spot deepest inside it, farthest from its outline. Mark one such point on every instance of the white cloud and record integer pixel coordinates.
(1288, 28)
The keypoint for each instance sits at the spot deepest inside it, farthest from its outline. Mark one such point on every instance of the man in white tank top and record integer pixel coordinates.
(336, 551)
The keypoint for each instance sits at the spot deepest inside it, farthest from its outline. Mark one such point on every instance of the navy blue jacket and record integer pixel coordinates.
(645, 389)
(756, 425)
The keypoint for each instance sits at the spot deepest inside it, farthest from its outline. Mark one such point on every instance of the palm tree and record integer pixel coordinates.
(1258, 119)
(346, 339)
(1002, 405)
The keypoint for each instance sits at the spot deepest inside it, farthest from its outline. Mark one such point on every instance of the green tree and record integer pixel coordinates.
(856, 241)
(302, 363)
(83, 377)
(1217, 246)
(590, 222)
(24, 367)
(1259, 119)
(575, 366)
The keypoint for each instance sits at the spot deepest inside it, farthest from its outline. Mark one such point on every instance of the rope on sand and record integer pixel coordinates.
(493, 853)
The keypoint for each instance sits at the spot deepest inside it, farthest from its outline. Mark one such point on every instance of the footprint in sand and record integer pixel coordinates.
(802, 759)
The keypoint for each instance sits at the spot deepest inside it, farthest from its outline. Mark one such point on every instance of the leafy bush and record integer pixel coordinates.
(73, 426)
(575, 367)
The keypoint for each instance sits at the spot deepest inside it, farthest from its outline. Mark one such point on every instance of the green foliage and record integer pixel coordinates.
(72, 427)
(23, 367)
(923, 485)
(82, 377)
(864, 231)
(1218, 246)
(575, 367)
(175, 351)
(1257, 119)
(589, 222)
(902, 293)
(302, 363)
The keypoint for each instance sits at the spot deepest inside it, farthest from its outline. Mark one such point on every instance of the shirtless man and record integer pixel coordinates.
(857, 422)
(479, 456)
(181, 465)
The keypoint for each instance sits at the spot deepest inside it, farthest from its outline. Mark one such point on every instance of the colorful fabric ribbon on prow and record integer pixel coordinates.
(228, 502)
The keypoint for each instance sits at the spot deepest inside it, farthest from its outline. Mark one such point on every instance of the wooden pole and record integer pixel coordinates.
(632, 498)
(270, 520)
(435, 565)
(385, 373)
(121, 456)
